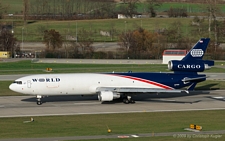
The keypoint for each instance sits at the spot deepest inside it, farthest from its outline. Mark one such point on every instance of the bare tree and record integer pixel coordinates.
(125, 40)
(138, 43)
(85, 42)
(177, 12)
(3, 8)
(75, 53)
(199, 28)
(25, 11)
(108, 9)
(213, 9)
(103, 9)
(112, 30)
(174, 32)
(159, 46)
(220, 31)
(70, 49)
(152, 5)
(72, 9)
(52, 39)
(41, 30)
(129, 7)
(8, 42)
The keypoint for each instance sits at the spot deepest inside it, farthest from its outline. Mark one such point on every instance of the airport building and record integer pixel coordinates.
(172, 54)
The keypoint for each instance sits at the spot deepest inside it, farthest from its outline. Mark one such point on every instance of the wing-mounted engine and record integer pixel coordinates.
(185, 66)
(108, 95)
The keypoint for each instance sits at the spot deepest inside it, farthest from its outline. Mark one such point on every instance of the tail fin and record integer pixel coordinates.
(193, 62)
(198, 50)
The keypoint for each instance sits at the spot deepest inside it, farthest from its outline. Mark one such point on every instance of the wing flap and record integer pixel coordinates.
(138, 90)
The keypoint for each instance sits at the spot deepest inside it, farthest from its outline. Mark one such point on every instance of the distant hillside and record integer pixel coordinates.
(16, 6)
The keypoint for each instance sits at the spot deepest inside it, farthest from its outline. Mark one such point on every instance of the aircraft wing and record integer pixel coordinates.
(138, 90)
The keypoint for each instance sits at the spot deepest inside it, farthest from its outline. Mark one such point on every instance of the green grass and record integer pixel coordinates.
(5, 91)
(211, 85)
(191, 7)
(134, 123)
(27, 67)
(215, 70)
(30, 32)
(220, 63)
(16, 6)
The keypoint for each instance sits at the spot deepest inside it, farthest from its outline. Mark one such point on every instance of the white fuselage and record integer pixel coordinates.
(73, 84)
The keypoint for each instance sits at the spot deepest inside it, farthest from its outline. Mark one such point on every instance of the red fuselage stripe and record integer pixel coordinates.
(145, 81)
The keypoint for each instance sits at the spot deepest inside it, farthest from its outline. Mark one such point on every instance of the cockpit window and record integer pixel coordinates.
(18, 82)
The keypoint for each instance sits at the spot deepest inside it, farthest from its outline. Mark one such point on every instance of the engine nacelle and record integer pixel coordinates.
(108, 96)
(175, 65)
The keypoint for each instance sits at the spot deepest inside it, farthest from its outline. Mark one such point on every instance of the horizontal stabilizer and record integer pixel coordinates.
(208, 62)
(186, 79)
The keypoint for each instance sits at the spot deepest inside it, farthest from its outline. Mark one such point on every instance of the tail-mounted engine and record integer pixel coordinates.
(197, 66)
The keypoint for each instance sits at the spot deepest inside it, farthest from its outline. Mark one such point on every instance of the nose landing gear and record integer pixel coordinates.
(39, 102)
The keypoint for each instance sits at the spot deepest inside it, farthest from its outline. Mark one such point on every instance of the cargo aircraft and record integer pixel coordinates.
(110, 86)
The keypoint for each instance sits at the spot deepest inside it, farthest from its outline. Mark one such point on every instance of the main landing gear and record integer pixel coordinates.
(128, 99)
(39, 102)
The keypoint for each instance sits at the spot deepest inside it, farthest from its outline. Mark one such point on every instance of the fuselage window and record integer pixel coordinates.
(41, 80)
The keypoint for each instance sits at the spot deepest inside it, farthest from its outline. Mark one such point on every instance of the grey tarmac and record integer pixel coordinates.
(25, 106)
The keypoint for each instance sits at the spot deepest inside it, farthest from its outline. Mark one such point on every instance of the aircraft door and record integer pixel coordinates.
(28, 84)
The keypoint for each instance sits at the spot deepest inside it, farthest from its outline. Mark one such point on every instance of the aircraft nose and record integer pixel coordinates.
(12, 87)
